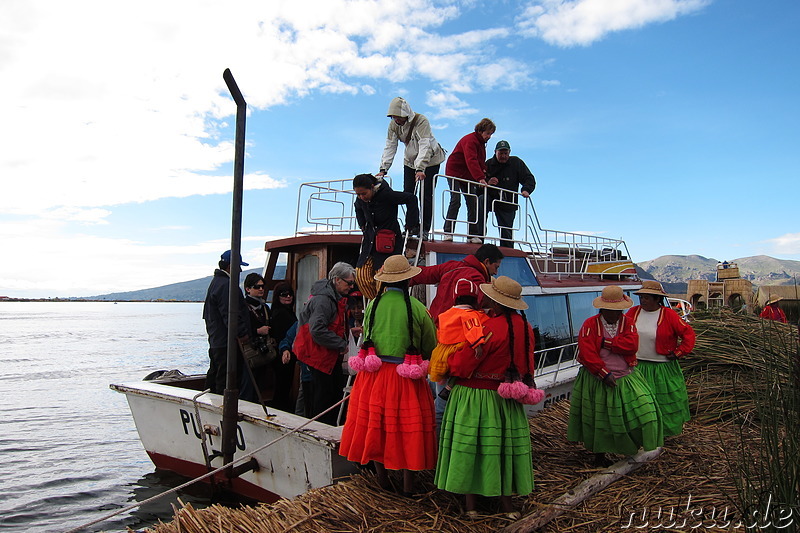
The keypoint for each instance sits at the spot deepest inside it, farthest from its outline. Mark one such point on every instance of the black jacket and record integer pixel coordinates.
(215, 311)
(510, 176)
(381, 213)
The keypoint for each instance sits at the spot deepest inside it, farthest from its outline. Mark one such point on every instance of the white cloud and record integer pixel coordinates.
(786, 244)
(448, 105)
(581, 22)
(105, 105)
(59, 266)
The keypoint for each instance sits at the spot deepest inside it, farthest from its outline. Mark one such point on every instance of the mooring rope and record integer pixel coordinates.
(209, 474)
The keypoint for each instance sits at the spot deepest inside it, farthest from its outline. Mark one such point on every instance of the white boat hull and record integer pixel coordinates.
(171, 434)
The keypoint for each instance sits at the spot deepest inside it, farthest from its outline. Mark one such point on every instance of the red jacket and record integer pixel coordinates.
(670, 328)
(322, 320)
(446, 275)
(468, 160)
(590, 340)
(490, 370)
(773, 312)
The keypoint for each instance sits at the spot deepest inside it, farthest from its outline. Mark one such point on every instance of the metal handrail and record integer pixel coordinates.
(329, 208)
(566, 359)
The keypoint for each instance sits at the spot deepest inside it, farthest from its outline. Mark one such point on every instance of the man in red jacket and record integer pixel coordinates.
(478, 268)
(468, 162)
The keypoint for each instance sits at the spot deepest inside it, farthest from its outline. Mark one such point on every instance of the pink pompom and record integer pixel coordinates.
(372, 363)
(356, 363)
(413, 367)
(515, 390)
(362, 352)
(533, 396)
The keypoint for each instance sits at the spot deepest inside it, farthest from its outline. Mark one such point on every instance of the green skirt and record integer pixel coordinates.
(618, 419)
(484, 445)
(667, 383)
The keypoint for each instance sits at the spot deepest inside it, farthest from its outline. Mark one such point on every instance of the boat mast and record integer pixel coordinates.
(231, 395)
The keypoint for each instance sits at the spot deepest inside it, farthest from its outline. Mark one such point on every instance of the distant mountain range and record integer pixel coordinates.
(185, 291)
(673, 271)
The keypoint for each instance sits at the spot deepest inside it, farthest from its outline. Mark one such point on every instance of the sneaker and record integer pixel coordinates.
(476, 240)
(447, 237)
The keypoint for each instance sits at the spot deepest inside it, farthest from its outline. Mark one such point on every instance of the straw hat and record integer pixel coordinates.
(396, 268)
(651, 287)
(774, 298)
(612, 298)
(505, 291)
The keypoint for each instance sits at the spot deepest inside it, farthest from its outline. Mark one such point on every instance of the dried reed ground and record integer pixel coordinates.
(694, 465)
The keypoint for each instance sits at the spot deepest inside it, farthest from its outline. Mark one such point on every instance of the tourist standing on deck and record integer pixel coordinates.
(390, 418)
(663, 338)
(612, 409)
(484, 442)
(422, 157)
(468, 162)
(282, 319)
(507, 172)
(321, 338)
(376, 212)
(771, 310)
(215, 315)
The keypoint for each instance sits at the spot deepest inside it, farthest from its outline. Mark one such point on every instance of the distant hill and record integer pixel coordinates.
(185, 291)
(674, 271)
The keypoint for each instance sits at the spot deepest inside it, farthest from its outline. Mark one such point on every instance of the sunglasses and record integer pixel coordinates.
(349, 282)
(285, 294)
(259, 287)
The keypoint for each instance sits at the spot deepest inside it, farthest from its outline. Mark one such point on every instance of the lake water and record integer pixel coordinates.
(68, 446)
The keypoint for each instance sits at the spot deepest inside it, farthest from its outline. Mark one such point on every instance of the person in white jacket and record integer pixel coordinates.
(423, 154)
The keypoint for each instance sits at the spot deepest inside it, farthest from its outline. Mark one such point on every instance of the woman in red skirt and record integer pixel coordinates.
(390, 418)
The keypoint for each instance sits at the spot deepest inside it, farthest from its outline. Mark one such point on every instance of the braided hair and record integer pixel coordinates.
(371, 318)
(512, 371)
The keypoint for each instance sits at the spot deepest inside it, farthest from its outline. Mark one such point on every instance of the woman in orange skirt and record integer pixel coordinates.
(390, 417)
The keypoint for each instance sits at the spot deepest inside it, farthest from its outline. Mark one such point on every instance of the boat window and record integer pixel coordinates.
(581, 308)
(516, 268)
(550, 320)
(307, 275)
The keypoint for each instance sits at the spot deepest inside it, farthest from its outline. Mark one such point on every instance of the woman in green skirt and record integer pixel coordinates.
(612, 409)
(484, 441)
(663, 338)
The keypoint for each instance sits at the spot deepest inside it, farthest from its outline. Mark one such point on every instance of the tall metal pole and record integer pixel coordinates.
(230, 408)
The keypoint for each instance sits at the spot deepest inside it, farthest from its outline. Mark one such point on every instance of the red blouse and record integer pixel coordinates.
(590, 340)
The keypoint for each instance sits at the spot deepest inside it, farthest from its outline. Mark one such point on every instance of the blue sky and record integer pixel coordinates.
(670, 123)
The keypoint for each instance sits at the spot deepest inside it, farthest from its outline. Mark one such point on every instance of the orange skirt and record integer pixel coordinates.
(390, 420)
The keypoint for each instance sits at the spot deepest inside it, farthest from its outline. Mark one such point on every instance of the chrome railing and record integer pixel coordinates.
(327, 207)
(551, 361)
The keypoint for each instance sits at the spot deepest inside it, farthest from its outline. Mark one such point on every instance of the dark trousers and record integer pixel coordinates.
(217, 374)
(327, 390)
(504, 213)
(428, 187)
(505, 219)
(471, 192)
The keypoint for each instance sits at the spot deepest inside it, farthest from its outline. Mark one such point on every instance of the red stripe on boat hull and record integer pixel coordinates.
(193, 470)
